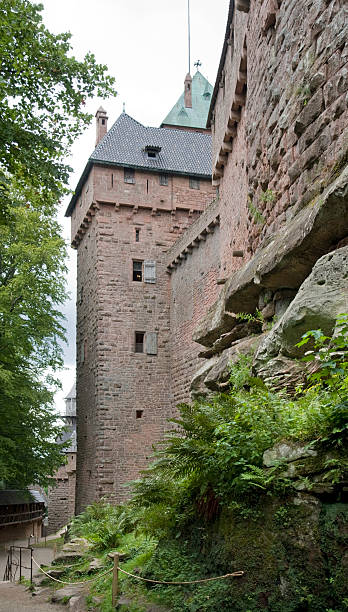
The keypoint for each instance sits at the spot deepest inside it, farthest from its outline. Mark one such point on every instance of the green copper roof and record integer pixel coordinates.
(197, 115)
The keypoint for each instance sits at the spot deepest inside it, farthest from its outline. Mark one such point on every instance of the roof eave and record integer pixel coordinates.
(221, 64)
(182, 127)
(149, 169)
(78, 189)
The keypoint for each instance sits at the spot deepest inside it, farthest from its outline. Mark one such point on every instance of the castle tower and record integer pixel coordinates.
(101, 124)
(61, 496)
(141, 188)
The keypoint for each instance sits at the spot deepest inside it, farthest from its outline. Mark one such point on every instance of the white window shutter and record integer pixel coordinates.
(151, 343)
(149, 271)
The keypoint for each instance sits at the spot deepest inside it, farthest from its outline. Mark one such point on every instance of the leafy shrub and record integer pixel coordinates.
(102, 524)
(215, 450)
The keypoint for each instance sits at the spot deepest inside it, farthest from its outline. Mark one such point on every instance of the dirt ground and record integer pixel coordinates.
(15, 597)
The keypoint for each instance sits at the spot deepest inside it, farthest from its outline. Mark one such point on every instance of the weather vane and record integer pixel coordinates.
(198, 63)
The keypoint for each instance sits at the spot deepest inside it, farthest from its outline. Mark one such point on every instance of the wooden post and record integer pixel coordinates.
(115, 580)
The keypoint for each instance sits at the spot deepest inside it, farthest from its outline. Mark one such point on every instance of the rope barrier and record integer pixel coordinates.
(80, 582)
(236, 574)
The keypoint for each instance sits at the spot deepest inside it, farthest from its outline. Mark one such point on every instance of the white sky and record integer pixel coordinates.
(144, 45)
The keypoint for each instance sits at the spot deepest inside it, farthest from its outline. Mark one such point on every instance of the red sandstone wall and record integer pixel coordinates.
(106, 185)
(61, 496)
(83, 204)
(147, 192)
(86, 341)
(298, 119)
(113, 381)
(193, 291)
(292, 135)
(233, 207)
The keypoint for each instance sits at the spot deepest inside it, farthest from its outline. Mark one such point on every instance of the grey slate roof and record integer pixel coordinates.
(69, 435)
(182, 152)
(12, 497)
(72, 392)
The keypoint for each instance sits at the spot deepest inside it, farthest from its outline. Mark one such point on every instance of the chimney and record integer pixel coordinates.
(101, 124)
(188, 91)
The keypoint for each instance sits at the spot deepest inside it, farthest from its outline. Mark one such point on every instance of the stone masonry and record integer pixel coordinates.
(277, 203)
(61, 495)
(123, 389)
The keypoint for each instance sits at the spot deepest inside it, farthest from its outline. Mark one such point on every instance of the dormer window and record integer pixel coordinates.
(152, 151)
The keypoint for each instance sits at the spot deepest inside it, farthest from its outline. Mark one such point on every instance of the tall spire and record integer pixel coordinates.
(189, 36)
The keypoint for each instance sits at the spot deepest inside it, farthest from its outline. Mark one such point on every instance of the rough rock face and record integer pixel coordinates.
(284, 261)
(215, 323)
(198, 387)
(292, 552)
(322, 296)
(287, 451)
(241, 330)
(218, 376)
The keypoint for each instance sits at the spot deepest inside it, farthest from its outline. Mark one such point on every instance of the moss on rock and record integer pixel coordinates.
(291, 550)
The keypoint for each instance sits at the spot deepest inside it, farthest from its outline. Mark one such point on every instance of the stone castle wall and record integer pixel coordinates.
(294, 114)
(61, 496)
(194, 289)
(283, 183)
(279, 141)
(123, 397)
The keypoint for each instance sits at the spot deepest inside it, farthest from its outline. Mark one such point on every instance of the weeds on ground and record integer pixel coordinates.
(212, 458)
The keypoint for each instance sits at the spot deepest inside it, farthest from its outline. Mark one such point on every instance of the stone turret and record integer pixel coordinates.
(101, 124)
(188, 91)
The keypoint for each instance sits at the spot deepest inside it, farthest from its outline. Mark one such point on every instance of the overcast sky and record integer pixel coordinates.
(144, 44)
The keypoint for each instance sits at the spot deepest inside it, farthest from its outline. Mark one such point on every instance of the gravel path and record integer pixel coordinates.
(42, 555)
(15, 598)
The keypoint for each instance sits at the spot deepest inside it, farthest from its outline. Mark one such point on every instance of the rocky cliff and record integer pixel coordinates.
(297, 281)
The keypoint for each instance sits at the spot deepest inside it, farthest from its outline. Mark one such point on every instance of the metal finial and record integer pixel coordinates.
(124, 107)
(198, 63)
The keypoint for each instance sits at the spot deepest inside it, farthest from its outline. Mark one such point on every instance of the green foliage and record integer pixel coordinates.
(43, 89)
(31, 327)
(102, 524)
(211, 507)
(215, 450)
(256, 214)
(267, 196)
(156, 503)
(246, 316)
(330, 354)
(304, 93)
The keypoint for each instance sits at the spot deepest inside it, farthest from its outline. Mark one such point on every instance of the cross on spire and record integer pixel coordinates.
(198, 63)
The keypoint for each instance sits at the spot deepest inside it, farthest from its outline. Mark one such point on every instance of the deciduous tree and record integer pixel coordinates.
(42, 94)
